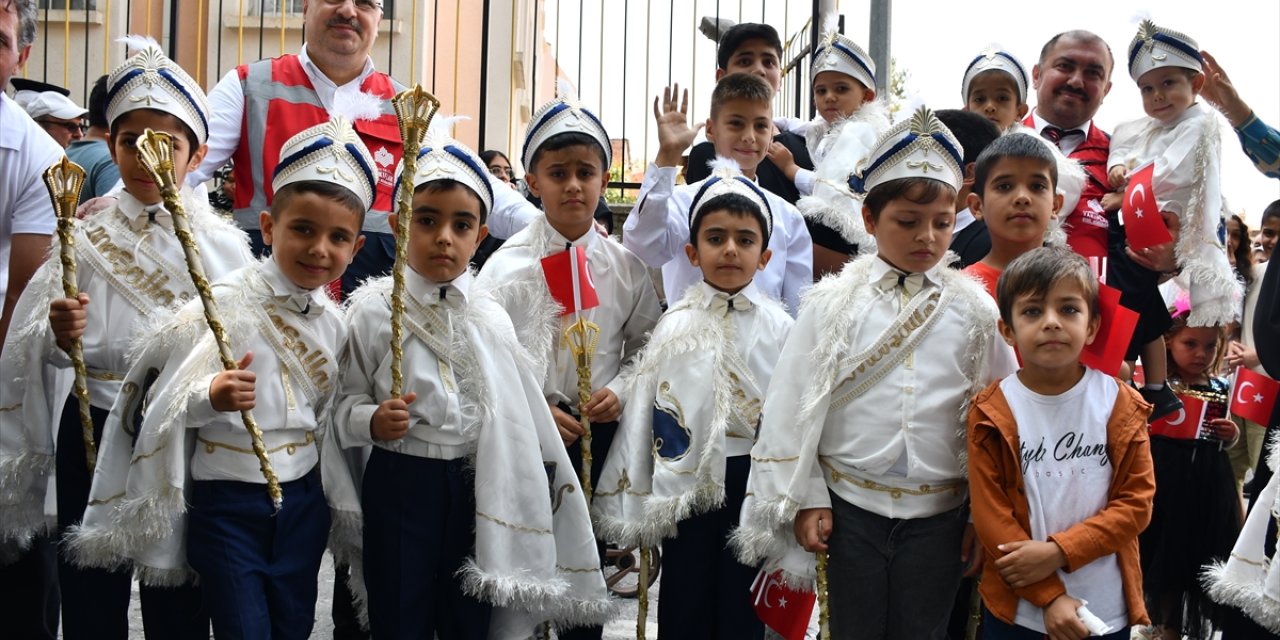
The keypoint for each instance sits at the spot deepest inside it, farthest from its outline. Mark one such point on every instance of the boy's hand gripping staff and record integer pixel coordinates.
(64, 180)
(155, 154)
(414, 109)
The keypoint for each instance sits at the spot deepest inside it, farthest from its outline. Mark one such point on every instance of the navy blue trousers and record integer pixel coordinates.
(419, 530)
(601, 440)
(706, 592)
(259, 569)
(95, 602)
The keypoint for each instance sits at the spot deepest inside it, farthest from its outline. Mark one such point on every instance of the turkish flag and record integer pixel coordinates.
(780, 607)
(1253, 396)
(1115, 329)
(1139, 215)
(1183, 423)
(569, 280)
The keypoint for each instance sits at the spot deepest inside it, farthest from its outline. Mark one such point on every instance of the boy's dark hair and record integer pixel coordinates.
(445, 185)
(187, 132)
(1020, 146)
(98, 104)
(1035, 272)
(740, 86)
(564, 141)
(337, 193)
(735, 204)
(744, 32)
(1272, 211)
(917, 190)
(973, 131)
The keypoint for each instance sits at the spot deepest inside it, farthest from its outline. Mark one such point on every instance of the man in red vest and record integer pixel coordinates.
(258, 106)
(1071, 79)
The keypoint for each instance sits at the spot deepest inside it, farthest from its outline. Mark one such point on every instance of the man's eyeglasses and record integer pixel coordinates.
(73, 127)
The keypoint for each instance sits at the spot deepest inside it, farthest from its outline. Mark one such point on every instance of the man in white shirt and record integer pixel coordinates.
(28, 582)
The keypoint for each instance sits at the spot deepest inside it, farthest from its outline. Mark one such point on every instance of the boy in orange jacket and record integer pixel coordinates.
(1060, 474)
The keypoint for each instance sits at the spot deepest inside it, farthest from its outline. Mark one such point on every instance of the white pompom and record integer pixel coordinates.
(135, 43)
(357, 105)
(724, 168)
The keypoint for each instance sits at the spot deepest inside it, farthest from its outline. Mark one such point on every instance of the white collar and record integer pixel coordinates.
(428, 291)
(556, 240)
(964, 218)
(1192, 111)
(280, 284)
(751, 292)
(134, 210)
(1040, 123)
(315, 73)
(879, 267)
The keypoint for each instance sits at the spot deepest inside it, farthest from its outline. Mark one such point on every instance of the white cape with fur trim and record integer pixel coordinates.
(137, 511)
(690, 370)
(785, 473)
(1187, 182)
(1249, 580)
(34, 390)
(838, 149)
(535, 555)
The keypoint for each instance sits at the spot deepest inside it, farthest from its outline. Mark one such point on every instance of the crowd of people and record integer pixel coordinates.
(886, 361)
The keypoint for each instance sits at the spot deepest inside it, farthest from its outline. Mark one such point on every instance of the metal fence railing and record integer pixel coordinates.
(494, 60)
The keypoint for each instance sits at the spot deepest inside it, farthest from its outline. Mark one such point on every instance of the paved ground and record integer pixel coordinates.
(624, 628)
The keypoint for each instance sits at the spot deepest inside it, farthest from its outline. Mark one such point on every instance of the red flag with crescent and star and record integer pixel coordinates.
(780, 607)
(569, 280)
(1184, 423)
(1139, 214)
(1254, 396)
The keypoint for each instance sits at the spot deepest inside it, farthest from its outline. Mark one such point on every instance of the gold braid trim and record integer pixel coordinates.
(894, 492)
(510, 525)
(288, 447)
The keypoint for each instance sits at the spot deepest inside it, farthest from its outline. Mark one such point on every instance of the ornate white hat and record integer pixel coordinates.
(993, 58)
(328, 152)
(836, 52)
(443, 158)
(564, 115)
(1154, 47)
(726, 177)
(150, 80)
(919, 147)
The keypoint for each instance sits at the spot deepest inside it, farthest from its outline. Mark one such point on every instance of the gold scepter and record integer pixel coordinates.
(155, 154)
(582, 337)
(64, 180)
(414, 109)
(824, 607)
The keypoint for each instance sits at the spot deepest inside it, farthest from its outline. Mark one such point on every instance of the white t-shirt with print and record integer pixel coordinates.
(1067, 474)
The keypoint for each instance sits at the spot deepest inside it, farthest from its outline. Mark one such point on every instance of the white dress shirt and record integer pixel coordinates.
(436, 419)
(759, 331)
(658, 229)
(287, 418)
(904, 431)
(627, 312)
(1068, 143)
(25, 152)
(137, 243)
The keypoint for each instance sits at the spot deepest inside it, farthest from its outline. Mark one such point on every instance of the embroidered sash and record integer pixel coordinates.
(892, 346)
(105, 247)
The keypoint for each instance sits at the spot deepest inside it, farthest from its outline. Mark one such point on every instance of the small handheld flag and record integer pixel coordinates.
(1253, 396)
(1139, 214)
